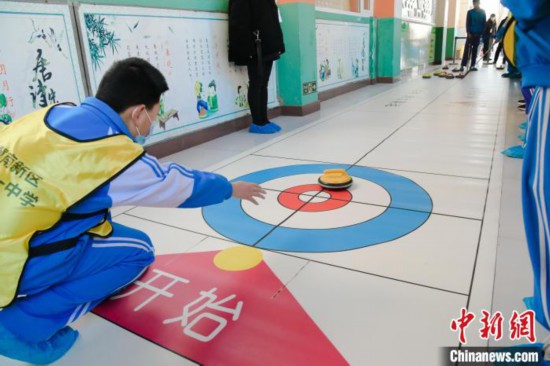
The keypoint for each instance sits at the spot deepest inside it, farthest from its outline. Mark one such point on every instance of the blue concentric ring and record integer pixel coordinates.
(409, 209)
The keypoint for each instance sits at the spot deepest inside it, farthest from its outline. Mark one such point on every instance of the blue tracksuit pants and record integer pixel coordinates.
(61, 287)
(536, 200)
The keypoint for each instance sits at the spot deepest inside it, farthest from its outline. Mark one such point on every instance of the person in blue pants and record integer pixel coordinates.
(475, 24)
(533, 58)
(62, 168)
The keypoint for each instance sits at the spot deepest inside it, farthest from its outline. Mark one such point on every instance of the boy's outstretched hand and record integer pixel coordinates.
(248, 191)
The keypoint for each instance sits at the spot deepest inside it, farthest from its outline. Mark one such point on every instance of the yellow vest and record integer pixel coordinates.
(509, 42)
(43, 174)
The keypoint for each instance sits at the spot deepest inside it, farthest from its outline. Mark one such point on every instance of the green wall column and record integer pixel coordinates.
(298, 65)
(441, 20)
(439, 43)
(389, 48)
(450, 43)
(452, 19)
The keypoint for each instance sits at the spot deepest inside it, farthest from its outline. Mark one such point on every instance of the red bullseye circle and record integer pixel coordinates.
(290, 199)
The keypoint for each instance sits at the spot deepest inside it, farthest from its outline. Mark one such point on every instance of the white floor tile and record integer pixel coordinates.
(439, 254)
(424, 155)
(166, 239)
(186, 219)
(116, 211)
(370, 317)
(467, 200)
(254, 164)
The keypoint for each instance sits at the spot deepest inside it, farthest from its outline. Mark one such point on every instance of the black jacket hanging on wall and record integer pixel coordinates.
(246, 16)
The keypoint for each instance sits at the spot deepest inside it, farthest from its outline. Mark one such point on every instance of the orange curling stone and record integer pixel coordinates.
(335, 179)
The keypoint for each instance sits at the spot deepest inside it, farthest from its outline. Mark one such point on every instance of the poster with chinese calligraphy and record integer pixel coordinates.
(38, 59)
(418, 10)
(343, 53)
(188, 47)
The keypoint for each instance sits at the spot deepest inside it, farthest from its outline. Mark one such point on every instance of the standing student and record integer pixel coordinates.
(66, 166)
(475, 24)
(488, 37)
(533, 59)
(256, 40)
(498, 36)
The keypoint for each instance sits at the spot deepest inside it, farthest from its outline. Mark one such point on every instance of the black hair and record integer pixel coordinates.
(130, 82)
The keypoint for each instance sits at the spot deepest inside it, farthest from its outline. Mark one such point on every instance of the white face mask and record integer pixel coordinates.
(141, 139)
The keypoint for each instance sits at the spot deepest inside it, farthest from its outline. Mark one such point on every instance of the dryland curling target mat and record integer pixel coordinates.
(405, 208)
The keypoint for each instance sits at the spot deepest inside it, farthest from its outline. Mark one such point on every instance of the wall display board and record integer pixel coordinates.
(334, 4)
(418, 10)
(188, 47)
(343, 53)
(38, 59)
(417, 44)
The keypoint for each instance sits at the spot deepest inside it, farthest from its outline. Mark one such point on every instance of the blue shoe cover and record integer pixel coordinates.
(529, 303)
(266, 129)
(516, 152)
(522, 137)
(275, 126)
(41, 353)
(523, 125)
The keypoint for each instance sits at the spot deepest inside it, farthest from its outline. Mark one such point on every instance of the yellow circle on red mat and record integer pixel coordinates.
(238, 258)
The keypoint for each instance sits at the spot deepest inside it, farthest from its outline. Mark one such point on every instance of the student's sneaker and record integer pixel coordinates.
(41, 353)
(473, 68)
(515, 152)
(521, 101)
(458, 69)
(264, 130)
(521, 107)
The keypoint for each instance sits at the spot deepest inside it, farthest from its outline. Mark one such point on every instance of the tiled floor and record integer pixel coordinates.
(425, 153)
